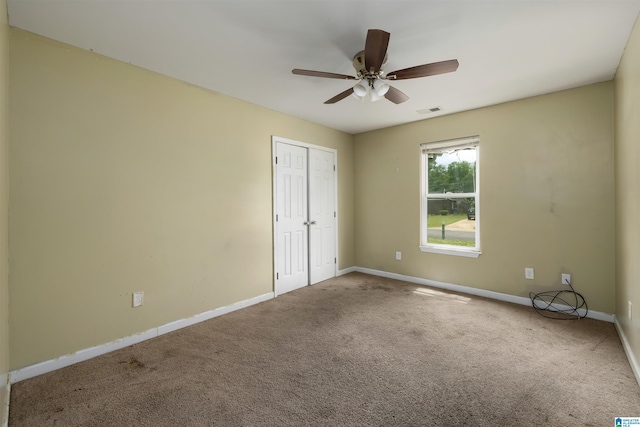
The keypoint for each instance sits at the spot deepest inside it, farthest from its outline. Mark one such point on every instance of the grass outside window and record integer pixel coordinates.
(436, 220)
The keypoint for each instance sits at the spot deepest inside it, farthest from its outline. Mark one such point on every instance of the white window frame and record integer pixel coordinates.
(439, 146)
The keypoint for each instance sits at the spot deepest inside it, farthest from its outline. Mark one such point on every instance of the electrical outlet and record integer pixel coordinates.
(398, 255)
(566, 279)
(630, 310)
(138, 299)
(528, 273)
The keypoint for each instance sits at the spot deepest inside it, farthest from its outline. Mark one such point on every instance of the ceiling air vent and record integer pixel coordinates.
(429, 110)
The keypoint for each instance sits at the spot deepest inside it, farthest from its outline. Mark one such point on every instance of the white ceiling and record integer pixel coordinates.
(507, 50)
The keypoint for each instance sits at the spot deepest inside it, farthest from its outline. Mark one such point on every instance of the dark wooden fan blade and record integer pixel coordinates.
(424, 70)
(340, 96)
(322, 74)
(396, 96)
(375, 49)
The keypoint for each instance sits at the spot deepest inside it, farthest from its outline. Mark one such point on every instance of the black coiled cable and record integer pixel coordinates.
(552, 304)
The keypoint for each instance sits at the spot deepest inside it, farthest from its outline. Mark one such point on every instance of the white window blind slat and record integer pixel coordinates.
(450, 144)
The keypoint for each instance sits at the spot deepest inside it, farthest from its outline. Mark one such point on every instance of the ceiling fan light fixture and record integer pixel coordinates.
(374, 96)
(361, 88)
(380, 87)
(358, 97)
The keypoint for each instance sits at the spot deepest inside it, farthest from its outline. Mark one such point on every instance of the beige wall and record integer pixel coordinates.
(627, 158)
(125, 180)
(546, 196)
(4, 207)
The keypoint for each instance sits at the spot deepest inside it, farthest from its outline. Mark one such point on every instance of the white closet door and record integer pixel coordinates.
(292, 213)
(322, 216)
(305, 208)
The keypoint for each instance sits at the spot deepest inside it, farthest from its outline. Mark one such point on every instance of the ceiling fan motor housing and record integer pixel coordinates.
(358, 62)
(361, 71)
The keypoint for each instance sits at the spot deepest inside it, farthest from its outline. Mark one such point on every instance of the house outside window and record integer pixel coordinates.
(450, 214)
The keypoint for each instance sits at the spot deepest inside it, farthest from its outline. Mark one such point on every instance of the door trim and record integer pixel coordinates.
(274, 141)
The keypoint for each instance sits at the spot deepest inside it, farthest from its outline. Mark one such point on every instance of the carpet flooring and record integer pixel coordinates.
(357, 350)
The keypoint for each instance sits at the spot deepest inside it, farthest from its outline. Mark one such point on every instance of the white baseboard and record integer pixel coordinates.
(89, 353)
(347, 271)
(5, 381)
(633, 360)
(471, 291)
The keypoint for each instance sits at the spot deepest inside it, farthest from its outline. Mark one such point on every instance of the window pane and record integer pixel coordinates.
(458, 216)
(452, 171)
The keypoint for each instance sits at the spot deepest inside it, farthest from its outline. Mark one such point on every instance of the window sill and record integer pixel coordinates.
(448, 251)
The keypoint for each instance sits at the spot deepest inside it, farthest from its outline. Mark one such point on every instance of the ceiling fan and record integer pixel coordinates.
(372, 79)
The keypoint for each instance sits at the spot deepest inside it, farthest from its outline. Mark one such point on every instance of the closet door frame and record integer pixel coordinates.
(274, 143)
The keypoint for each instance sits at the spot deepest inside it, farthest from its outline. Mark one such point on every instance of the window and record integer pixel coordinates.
(450, 215)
